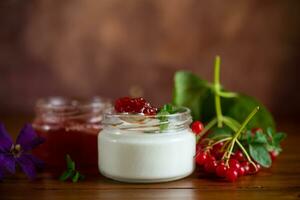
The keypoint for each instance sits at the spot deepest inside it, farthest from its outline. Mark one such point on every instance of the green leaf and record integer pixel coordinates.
(278, 137)
(260, 154)
(76, 177)
(71, 171)
(190, 91)
(274, 140)
(70, 162)
(259, 138)
(67, 174)
(238, 108)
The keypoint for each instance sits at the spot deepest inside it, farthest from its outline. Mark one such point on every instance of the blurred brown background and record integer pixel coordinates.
(82, 48)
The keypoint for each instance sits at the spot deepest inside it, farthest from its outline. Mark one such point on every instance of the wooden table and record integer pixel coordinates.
(282, 181)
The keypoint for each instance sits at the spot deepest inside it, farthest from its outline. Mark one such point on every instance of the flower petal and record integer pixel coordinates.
(5, 140)
(27, 165)
(3, 168)
(8, 163)
(28, 139)
(1, 174)
(39, 164)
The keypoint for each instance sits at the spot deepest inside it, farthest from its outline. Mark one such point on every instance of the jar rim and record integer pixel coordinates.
(148, 123)
(65, 103)
(112, 113)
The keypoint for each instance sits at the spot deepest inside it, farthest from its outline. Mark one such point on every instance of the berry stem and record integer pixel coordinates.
(206, 128)
(231, 123)
(228, 153)
(222, 140)
(246, 154)
(217, 87)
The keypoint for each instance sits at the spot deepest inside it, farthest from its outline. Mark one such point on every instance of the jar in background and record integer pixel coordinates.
(69, 127)
(146, 148)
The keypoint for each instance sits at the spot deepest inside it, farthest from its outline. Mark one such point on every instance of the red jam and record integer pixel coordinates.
(69, 127)
(134, 105)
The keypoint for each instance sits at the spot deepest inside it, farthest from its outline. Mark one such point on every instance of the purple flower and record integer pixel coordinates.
(19, 153)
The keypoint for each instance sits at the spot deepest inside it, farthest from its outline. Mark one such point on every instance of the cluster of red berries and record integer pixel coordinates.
(211, 159)
(237, 165)
(134, 105)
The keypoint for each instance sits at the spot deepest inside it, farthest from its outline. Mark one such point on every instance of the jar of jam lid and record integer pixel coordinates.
(70, 127)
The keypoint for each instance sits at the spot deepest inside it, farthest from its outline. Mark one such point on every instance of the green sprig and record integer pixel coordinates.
(71, 172)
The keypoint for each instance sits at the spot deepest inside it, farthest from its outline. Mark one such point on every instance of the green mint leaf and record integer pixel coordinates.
(260, 154)
(260, 138)
(270, 132)
(67, 174)
(278, 137)
(76, 177)
(163, 119)
(71, 171)
(166, 110)
(190, 91)
(70, 162)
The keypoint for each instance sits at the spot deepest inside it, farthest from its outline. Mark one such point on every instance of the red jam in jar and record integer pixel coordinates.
(69, 127)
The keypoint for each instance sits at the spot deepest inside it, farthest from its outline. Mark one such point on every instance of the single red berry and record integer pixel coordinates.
(217, 150)
(210, 157)
(258, 166)
(197, 127)
(210, 166)
(121, 103)
(218, 146)
(201, 158)
(273, 155)
(221, 169)
(246, 167)
(150, 111)
(241, 171)
(238, 155)
(233, 163)
(254, 168)
(139, 104)
(231, 174)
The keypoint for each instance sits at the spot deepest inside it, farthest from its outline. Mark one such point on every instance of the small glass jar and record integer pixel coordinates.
(69, 127)
(145, 149)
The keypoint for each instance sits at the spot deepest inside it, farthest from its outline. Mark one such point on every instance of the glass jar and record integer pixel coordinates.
(145, 149)
(69, 127)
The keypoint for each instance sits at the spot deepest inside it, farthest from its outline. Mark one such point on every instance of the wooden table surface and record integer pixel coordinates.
(282, 181)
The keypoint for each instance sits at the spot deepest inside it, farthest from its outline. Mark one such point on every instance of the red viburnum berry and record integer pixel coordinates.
(197, 127)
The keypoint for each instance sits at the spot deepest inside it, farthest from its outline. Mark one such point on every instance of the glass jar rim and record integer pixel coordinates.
(148, 123)
(58, 109)
(112, 113)
(64, 103)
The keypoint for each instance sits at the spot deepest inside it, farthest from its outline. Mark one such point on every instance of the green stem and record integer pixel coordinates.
(230, 124)
(207, 127)
(246, 154)
(237, 134)
(227, 94)
(217, 90)
(222, 140)
(244, 124)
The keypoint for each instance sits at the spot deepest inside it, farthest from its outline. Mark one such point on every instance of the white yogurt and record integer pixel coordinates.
(135, 156)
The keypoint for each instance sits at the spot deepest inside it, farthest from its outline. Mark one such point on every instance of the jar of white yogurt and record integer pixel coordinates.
(146, 148)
